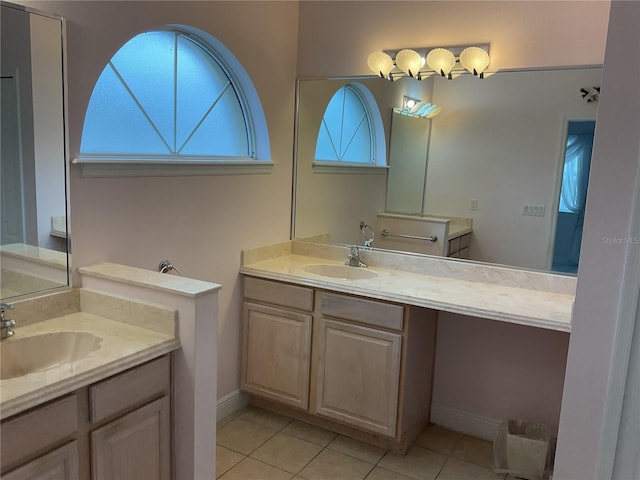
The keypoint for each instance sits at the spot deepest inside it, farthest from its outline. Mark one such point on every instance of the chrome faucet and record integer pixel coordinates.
(353, 257)
(6, 325)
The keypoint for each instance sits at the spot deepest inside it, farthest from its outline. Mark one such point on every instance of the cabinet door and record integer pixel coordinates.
(135, 446)
(358, 376)
(61, 464)
(276, 354)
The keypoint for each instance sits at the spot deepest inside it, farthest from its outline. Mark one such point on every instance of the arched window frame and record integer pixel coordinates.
(258, 136)
(379, 162)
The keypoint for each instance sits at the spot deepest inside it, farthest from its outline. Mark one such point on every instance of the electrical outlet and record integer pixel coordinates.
(533, 210)
(474, 204)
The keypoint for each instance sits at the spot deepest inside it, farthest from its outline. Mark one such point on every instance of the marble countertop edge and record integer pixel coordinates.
(122, 346)
(32, 399)
(547, 321)
(136, 276)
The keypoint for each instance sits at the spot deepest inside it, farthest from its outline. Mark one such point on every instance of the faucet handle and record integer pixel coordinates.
(4, 307)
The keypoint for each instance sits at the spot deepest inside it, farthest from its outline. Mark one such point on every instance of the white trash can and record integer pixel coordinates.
(522, 449)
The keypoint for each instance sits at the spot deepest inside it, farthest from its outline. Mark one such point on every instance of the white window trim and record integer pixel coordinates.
(155, 167)
(333, 166)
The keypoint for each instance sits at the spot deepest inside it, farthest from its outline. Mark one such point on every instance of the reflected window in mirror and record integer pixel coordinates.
(185, 98)
(351, 128)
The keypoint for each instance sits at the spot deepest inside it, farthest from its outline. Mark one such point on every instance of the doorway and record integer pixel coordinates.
(573, 195)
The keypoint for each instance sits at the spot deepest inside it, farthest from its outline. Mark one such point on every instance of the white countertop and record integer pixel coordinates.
(123, 346)
(532, 307)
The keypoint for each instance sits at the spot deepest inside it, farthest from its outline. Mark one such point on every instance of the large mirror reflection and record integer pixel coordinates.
(499, 175)
(33, 228)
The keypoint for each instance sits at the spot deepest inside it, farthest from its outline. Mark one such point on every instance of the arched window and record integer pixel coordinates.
(351, 129)
(174, 96)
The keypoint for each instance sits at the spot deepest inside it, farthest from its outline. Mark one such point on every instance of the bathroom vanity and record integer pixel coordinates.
(87, 392)
(352, 349)
(343, 359)
(424, 233)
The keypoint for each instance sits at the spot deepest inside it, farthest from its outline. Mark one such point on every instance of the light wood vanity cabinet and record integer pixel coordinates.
(367, 363)
(116, 429)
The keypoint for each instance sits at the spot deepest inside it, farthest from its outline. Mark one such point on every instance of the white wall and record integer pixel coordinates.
(199, 223)
(337, 37)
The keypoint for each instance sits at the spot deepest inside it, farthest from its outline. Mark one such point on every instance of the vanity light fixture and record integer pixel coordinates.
(409, 61)
(475, 60)
(441, 61)
(412, 107)
(408, 103)
(421, 63)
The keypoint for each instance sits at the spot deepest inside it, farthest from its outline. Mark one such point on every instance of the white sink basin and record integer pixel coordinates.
(21, 356)
(340, 271)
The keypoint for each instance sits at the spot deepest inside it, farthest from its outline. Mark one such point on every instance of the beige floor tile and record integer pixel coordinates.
(437, 438)
(418, 463)
(223, 421)
(286, 452)
(242, 436)
(250, 469)
(357, 449)
(225, 459)
(379, 473)
(310, 433)
(266, 418)
(330, 465)
(456, 469)
(474, 450)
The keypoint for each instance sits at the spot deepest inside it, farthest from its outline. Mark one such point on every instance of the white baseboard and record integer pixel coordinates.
(465, 422)
(231, 403)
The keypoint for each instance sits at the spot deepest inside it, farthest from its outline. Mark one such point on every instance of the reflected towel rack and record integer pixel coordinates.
(430, 238)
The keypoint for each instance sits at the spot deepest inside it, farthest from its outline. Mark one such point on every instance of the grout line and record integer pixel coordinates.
(238, 415)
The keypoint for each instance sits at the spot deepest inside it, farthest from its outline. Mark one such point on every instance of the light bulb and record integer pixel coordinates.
(475, 60)
(441, 60)
(409, 61)
(380, 63)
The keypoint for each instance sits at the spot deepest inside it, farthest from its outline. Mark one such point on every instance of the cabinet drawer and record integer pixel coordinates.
(38, 431)
(140, 384)
(276, 293)
(369, 312)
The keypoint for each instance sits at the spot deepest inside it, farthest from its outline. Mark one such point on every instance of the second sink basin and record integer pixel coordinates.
(21, 356)
(340, 271)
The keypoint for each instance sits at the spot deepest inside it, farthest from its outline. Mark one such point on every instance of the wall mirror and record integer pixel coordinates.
(33, 229)
(494, 157)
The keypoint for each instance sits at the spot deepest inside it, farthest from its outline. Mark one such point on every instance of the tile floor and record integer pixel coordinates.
(258, 445)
